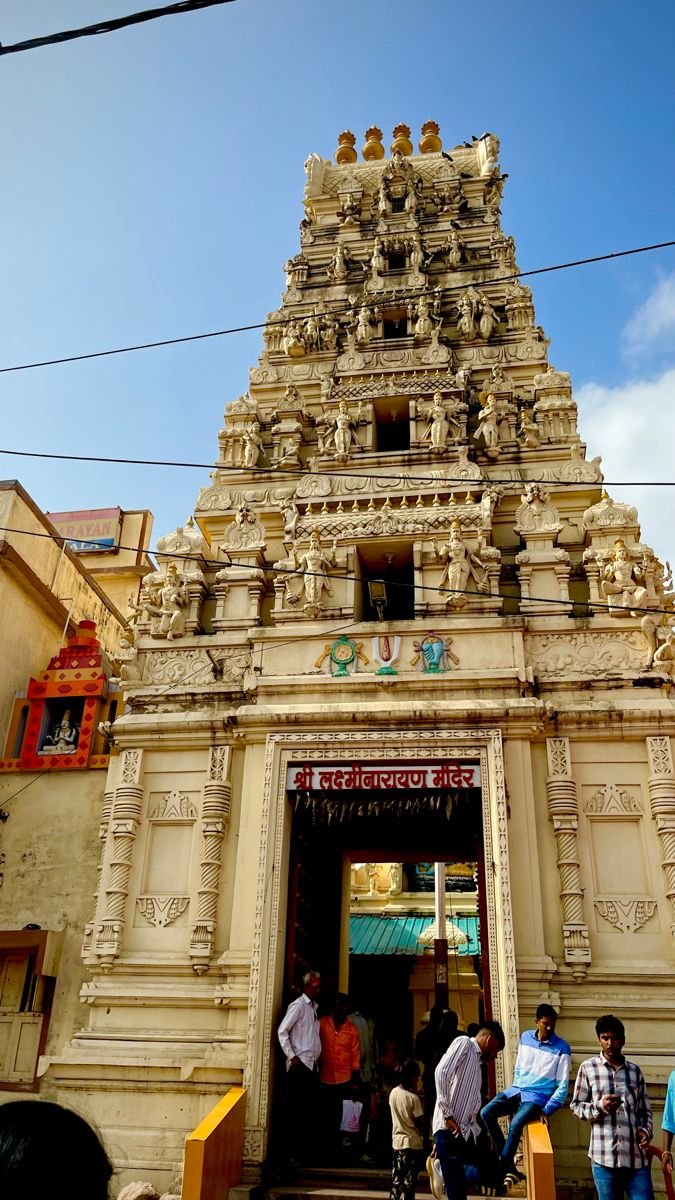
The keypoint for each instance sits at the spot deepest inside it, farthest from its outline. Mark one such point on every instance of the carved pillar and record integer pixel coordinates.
(661, 786)
(125, 817)
(561, 793)
(88, 938)
(215, 816)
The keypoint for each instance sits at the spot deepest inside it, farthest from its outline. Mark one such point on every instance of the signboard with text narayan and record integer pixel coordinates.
(92, 531)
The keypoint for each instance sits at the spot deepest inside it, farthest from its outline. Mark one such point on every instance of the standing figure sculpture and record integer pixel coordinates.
(488, 317)
(342, 436)
(173, 599)
(252, 445)
(313, 567)
(489, 426)
(460, 565)
(467, 312)
(620, 584)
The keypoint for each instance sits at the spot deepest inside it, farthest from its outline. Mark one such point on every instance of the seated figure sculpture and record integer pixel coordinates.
(620, 584)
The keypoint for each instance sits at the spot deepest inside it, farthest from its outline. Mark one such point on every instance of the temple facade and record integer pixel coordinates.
(406, 626)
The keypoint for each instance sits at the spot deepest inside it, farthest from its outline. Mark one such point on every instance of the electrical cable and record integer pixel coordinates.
(196, 337)
(393, 583)
(441, 482)
(110, 26)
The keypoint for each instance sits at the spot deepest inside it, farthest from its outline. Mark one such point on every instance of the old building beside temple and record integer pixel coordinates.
(407, 626)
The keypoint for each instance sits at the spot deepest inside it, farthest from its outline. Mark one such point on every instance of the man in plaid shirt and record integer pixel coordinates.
(610, 1093)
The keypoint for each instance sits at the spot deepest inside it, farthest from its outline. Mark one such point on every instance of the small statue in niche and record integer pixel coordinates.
(529, 430)
(424, 325)
(174, 598)
(291, 514)
(364, 328)
(467, 312)
(343, 434)
(293, 342)
(416, 256)
(328, 331)
(383, 197)
(460, 564)
(454, 250)
(338, 268)
(620, 580)
(252, 445)
(488, 427)
(63, 737)
(125, 662)
(310, 333)
(444, 420)
(350, 212)
(488, 318)
(378, 262)
(664, 656)
(313, 568)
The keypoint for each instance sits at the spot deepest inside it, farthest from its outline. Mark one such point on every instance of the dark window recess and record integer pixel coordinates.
(398, 204)
(396, 261)
(395, 569)
(395, 327)
(392, 424)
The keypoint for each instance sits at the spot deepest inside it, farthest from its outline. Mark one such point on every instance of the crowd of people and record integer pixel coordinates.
(450, 1120)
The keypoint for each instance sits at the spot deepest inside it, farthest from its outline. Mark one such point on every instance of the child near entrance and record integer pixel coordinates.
(407, 1118)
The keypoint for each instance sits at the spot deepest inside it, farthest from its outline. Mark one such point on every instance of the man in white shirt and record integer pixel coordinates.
(458, 1102)
(301, 1043)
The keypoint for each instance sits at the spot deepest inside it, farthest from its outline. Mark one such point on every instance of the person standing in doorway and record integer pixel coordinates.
(407, 1119)
(540, 1084)
(300, 1040)
(610, 1094)
(340, 1066)
(458, 1102)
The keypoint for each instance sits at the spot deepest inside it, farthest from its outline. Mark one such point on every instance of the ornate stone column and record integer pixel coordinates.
(125, 818)
(561, 792)
(88, 938)
(661, 786)
(215, 816)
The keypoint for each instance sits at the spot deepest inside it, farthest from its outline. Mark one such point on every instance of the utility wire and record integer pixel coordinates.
(401, 584)
(413, 294)
(110, 26)
(440, 482)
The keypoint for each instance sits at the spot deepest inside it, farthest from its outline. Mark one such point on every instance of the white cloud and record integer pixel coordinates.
(633, 427)
(653, 319)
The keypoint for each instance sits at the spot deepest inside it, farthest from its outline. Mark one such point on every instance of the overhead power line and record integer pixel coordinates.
(400, 296)
(440, 482)
(400, 584)
(110, 26)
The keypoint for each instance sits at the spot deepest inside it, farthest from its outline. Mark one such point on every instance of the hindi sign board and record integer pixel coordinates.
(372, 776)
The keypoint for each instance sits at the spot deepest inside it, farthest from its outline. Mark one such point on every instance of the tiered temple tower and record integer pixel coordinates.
(405, 583)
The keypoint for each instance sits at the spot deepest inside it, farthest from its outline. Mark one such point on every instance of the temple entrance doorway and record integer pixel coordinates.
(361, 910)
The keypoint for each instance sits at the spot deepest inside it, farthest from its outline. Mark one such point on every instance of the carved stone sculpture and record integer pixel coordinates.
(460, 565)
(125, 663)
(342, 436)
(488, 427)
(313, 571)
(252, 445)
(620, 583)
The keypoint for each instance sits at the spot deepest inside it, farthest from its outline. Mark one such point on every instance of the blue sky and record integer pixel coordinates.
(152, 183)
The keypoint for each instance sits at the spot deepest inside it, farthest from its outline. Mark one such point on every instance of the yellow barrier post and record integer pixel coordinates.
(540, 1164)
(213, 1151)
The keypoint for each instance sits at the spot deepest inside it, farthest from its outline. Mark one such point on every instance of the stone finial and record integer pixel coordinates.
(401, 142)
(373, 147)
(345, 152)
(430, 143)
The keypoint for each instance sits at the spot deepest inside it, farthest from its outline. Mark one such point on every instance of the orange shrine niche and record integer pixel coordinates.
(55, 726)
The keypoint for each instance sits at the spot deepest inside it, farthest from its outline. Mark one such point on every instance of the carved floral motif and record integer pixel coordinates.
(161, 911)
(626, 915)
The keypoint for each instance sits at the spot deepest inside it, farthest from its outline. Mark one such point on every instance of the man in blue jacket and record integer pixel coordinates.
(540, 1083)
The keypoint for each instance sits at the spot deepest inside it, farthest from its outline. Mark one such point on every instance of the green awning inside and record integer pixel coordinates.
(388, 934)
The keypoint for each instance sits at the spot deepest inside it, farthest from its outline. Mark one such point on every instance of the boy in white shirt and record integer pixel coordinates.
(407, 1116)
